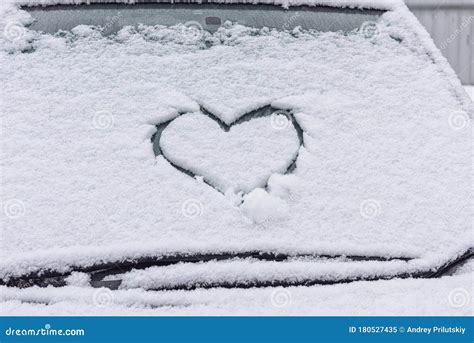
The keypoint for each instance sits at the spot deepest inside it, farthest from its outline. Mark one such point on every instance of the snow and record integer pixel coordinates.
(448, 296)
(262, 207)
(386, 124)
(78, 279)
(281, 185)
(470, 91)
(241, 159)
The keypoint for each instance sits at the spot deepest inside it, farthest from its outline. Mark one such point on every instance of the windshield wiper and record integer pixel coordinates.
(101, 271)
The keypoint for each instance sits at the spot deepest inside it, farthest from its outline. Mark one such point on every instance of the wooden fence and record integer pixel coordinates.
(451, 24)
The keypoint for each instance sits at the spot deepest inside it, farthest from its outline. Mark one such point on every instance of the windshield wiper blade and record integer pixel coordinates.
(99, 272)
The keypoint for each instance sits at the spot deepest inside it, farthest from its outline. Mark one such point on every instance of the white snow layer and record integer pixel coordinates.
(261, 206)
(385, 169)
(241, 159)
(470, 91)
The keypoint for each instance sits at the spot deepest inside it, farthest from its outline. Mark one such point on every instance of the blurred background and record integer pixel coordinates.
(451, 24)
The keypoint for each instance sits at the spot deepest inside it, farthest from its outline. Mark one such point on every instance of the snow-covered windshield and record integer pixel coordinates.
(381, 169)
(112, 17)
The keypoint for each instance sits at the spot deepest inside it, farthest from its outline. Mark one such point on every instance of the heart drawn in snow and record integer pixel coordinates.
(241, 156)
